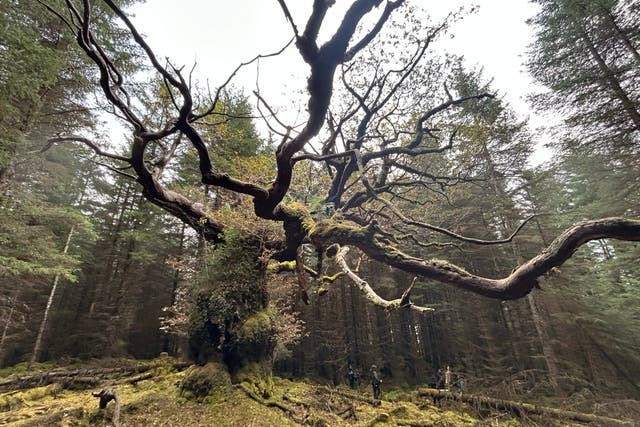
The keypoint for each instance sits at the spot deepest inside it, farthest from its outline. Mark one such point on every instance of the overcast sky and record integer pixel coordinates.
(219, 35)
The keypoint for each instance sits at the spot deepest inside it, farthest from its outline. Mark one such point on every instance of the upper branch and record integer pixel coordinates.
(323, 61)
(88, 143)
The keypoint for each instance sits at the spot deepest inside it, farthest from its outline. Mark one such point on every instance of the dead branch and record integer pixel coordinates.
(107, 396)
(368, 292)
(86, 141)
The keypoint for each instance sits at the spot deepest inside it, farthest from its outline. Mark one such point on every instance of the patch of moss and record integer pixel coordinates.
(278, 267)
(296, 209)
(158, 401)
(255, 326)
(256, 378)
(200, 381)
(10, 403)
(343, 232)
(26, 368)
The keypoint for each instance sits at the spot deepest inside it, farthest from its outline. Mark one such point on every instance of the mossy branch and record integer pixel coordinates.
(518, 284)
(290, 267)
(367, 291)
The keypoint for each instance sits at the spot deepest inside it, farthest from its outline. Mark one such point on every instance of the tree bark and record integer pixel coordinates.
(611, 79)
(43, 324)
(516, 285)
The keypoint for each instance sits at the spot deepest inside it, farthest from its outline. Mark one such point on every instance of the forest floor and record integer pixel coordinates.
(150, 394)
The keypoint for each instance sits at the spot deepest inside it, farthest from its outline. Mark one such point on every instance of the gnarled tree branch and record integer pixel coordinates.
(367, 291)
(518, 284)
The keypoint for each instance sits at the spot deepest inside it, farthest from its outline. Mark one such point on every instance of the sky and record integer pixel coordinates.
(219, 35)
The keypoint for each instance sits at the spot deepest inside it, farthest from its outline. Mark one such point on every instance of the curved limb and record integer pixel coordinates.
(516, 285)
(367, 291)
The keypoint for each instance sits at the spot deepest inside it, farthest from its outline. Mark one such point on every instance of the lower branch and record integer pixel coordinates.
(518, 284)
(366, 290)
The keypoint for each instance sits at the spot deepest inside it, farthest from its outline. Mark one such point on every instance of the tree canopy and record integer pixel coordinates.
(375, 128)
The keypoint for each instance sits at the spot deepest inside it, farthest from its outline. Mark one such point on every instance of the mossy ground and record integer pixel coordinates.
(159, 401)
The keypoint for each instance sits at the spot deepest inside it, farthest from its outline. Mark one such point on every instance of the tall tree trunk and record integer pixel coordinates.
(5, 331)
(166, 340)
(608, 75)
(43, 324)
(547, 350)
(538, 320)
(622, 36)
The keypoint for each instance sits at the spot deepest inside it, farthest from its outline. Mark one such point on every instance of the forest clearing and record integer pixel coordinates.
(326, 213)
(164, 396)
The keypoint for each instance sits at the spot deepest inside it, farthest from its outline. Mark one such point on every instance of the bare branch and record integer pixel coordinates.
(370, 295)
(390, 7)
(215, 101)
(88, 143)
(116, 171)
(272, 113)
(288, 16)
(450, 233)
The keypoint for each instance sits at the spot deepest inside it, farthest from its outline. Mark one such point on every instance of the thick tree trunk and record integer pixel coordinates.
(231, 321)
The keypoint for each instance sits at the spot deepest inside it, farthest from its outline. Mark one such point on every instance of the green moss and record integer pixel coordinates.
(200, 381)
(26, 368)
(255, 377)
(255, 337)
(256, 325)
(278, 267)
(162, 400)
(10, 403)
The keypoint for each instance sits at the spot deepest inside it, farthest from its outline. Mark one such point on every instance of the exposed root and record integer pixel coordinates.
(268, 403)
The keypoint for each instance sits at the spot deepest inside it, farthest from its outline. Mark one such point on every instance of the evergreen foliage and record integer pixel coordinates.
(136, 280)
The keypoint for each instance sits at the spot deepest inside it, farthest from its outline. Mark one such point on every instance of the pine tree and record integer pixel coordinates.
(586, 54)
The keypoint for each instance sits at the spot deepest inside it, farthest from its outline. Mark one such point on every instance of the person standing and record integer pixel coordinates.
(375, 382)
(353, 377)
(439, 379)
(447, 378)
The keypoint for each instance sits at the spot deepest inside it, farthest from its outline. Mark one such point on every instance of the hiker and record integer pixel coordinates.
(433, 383)
(447, 378)
(439, 379)
(353, 377)
(375, 382)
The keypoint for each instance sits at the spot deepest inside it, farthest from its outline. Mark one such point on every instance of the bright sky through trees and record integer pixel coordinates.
(220, 35)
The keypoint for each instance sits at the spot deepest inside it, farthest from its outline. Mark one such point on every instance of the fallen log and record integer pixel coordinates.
(135, 380)
(46, 378)
(520, 409)
(55, 418)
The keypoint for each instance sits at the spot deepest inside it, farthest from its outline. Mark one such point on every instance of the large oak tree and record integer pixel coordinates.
(377, 116)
